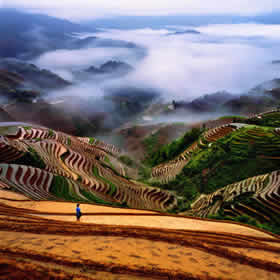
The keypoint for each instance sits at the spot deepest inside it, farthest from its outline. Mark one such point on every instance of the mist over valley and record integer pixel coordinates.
(139, 139)
(114, 75)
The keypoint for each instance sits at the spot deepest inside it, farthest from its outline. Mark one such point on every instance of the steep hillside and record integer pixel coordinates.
(45, 164)
(204, 162)
(50, 165)
(141, 141)
(44, 173)
(25, 34)
(27, 75)
(257, 198)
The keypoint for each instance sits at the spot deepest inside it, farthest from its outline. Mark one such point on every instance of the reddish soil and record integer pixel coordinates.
(33, 247)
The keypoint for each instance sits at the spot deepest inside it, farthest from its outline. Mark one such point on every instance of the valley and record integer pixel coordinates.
(129, 223)
(139, 147)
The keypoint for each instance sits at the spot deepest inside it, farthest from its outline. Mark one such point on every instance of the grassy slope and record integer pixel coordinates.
(61, 189)
(230, 159)
(158, 155)
(272, 120)
(247, 152)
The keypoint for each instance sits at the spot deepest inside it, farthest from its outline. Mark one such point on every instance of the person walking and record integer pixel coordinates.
(78, 212)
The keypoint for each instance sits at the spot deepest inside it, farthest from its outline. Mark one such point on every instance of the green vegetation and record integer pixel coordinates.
(27, 127)
(245, 153)
(128, 161)
(92, 198)
(170, 151)
(185, 188)
(151, 145)
(113, 188)
(144, 173)
(60, 189)
(235, 118)
(107, 160)
(51, 133)
(30, 158)
(240, 155)
(272, 120)
(91, 140)
(108, 163)
(39, 162)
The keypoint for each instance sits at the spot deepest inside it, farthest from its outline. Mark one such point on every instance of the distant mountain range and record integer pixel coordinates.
(184, 32)
(23, 96)
(110, 67)
(24, 35)
(258, 99)
(33, 77)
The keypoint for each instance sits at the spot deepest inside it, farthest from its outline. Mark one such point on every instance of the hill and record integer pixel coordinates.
(45, 164)
(25, 34)
(20, 74)
(254, 200)
(208, 161)
(220, 170)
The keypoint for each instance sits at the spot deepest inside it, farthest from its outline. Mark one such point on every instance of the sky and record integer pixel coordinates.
(90, 9)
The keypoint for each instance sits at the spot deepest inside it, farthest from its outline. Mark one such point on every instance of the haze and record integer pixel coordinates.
(88, 9)
(234, 58)
(177, 59)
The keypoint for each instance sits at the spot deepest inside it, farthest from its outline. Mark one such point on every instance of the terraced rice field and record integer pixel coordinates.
(166, 172)
(71, 168)
(263, 139)
(215, 130)
(38, 240)
(263, 199)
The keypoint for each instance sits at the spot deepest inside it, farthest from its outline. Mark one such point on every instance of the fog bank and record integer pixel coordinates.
(234, 58)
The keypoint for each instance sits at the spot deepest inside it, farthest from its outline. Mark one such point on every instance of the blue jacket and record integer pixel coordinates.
(78, 211)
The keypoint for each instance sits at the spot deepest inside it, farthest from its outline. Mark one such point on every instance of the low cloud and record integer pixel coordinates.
(63, 62)
(181, 67)
(243, 30)
(187, 66)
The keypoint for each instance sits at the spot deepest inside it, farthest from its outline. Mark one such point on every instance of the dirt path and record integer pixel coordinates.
(112, 243)
(66, 207)
(108, 215)
(165, 222)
